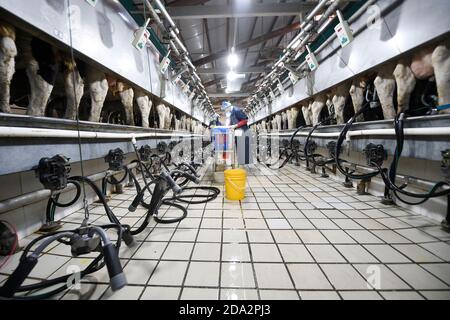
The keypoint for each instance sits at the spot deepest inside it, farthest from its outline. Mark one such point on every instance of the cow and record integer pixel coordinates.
(40, 61)
(428, 62)
(306, 110)
(284, 120)
(177, 124)
(74, 88)
(292, 123)
(385, 86)
(278, 121)
(357, 89)
(316, 107)
(145, 106)
(161, 109)
(263, 126)
(98, 90)
(339, 97)
(8, 53)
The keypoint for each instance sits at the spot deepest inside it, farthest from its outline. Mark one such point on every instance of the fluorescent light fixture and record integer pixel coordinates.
(296, 44)
(233, 59)
(231, 76)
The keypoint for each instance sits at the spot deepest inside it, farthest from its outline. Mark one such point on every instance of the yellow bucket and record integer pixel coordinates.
(235, 181)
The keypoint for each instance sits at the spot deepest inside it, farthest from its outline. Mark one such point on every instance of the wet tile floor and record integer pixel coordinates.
(295, 236)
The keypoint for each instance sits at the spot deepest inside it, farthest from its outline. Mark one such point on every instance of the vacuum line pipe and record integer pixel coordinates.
(22, 132)
(436, 131)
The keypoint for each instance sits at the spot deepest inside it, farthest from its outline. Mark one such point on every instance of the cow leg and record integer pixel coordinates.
(162, 115)
(169, 117)
(441, 64)
(295, 112)
(8, 52)
(278, 120)
(40, 90)
(329, 104)
(357, 95)
(385, 85)
(126, 96)
(339, 103)
(339, 100)
(74, 87)
(145, 106)
(284, 119)
(289, 119)
(405, 85)
(316, 109)
(305, 115)
(98, 89)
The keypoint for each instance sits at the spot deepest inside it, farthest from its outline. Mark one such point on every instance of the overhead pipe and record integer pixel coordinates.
(308, 18)
(323, 20)
(174, 48)
(306, 26)
(352, 19)
(173, 31)
(166, 15)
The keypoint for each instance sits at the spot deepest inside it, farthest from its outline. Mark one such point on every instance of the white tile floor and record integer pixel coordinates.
(295, 236)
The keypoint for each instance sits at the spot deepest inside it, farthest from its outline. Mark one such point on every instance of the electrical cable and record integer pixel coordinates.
(339, 142)
(27, 263)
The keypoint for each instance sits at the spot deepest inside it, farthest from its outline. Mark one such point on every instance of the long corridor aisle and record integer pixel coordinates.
(295, 236)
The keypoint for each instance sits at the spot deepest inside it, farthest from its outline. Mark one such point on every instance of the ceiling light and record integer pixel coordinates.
(231, 76)
(233, 59)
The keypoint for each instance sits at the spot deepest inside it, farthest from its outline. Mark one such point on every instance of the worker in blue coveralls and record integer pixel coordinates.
(237, 121)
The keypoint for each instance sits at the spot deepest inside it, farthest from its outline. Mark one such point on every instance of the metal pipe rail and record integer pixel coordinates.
(436, 131)
(39, 195)
(22, 132)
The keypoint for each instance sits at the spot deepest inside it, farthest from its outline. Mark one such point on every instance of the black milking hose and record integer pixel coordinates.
(339, 142)
(389, 179)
